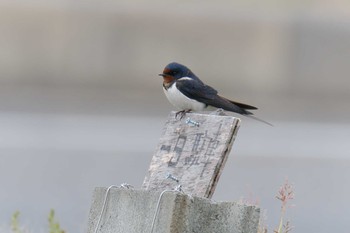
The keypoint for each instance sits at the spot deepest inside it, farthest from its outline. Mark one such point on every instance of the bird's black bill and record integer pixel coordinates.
(161, 75)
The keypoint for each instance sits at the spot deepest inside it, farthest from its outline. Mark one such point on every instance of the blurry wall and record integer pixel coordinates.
(74, 52)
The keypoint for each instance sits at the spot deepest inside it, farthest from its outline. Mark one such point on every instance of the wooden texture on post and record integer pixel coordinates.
(194, 151)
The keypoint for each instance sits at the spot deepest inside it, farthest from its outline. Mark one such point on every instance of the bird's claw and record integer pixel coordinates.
(182, 113)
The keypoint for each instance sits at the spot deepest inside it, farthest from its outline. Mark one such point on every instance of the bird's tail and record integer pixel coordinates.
(242, 105)
(258, 119)
(233, 106)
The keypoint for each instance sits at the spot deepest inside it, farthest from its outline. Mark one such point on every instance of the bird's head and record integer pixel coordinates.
(175, 71)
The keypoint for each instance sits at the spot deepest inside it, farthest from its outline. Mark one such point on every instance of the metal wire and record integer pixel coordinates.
(158, 205)
(177, 189)
(123, 185)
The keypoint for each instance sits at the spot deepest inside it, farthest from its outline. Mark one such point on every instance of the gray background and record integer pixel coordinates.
(81, 104)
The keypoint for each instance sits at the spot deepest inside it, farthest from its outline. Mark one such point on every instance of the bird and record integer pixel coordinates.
(188, 93)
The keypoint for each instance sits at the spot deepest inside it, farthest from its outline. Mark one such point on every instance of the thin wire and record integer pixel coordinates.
(177, 189)
(123, 185)
(158, 205)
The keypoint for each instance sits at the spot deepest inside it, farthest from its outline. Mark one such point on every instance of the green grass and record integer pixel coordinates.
(15, 223)
(54, 226)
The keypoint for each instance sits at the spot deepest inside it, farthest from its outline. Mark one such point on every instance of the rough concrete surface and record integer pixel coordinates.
(132, 211)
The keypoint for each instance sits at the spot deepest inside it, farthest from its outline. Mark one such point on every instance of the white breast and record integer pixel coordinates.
(180, 101)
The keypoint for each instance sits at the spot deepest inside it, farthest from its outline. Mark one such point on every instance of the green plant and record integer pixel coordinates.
(15, 223)
(54, 226)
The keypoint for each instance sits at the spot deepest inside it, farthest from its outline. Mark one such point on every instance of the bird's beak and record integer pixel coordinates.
(163, 75)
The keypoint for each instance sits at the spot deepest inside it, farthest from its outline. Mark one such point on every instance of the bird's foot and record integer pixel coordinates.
(218, 112)
(180, 114)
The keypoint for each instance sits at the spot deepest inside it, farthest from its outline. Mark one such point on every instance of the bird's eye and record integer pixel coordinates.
(173, 72)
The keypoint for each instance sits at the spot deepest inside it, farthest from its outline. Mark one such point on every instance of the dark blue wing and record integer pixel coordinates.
(195, 89)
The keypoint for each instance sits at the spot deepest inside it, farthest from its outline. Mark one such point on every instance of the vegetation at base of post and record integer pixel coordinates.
(285, 194)
(54, 226)
(15, 223)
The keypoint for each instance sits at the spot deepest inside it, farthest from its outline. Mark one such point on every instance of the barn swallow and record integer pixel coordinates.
(188, 93)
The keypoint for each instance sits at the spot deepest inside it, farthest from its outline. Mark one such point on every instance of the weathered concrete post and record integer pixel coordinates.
(183, 173)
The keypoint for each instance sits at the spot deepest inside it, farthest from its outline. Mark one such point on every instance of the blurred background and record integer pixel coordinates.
(81, 104)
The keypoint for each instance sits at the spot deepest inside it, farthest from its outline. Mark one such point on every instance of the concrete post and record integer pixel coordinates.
(133, 211)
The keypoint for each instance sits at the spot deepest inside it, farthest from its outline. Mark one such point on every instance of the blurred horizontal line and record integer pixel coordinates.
(137, 133)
